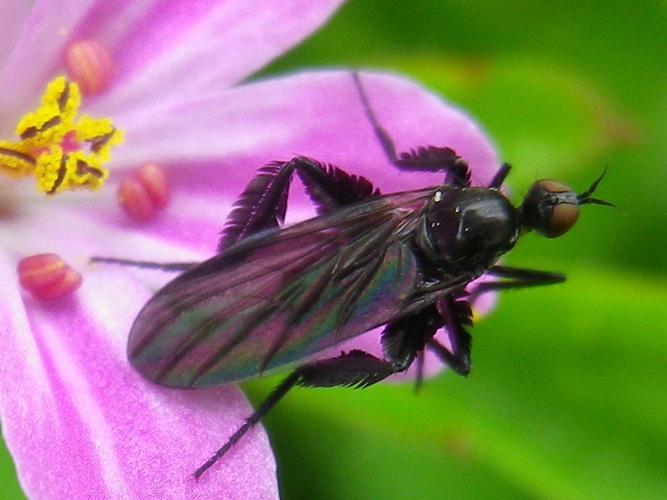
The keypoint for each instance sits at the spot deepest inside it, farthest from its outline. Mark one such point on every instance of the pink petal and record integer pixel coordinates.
(14, 14)
(154, 44)
(36, 56)
(175, 48)
(312, 113)
(221, 142)
(80, 423)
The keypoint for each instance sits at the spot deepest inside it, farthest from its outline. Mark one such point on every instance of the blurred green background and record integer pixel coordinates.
(568, 396)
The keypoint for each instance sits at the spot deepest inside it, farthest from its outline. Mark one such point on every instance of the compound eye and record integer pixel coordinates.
(563, 217)
(550, 208)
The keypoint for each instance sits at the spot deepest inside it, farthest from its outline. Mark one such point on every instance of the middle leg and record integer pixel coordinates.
(406, 338)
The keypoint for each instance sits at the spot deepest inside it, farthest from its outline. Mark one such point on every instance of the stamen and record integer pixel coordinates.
(100, 134)
(15, 160)
(89, 64)
(51, 170)
(54, 118)
(154, 179)
(145, 193)
(52, 144)
(47, 277)
(135, 200)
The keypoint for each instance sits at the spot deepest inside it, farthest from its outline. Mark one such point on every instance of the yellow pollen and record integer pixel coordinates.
(42, 148)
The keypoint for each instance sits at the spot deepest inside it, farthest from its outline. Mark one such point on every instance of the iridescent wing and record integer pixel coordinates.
(281, 295)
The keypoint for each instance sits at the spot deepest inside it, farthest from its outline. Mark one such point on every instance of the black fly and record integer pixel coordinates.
(276, 294)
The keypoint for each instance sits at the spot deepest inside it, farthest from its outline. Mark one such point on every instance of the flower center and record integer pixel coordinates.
(61, 153)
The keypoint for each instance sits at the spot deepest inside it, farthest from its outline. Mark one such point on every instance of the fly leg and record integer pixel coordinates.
(419, 374)
(146, 264)
(516, 278)
(500, 176)
(429, 158)
(263, 204)
(331, 187)
(403, 340)
(355, 369)
(455, 314)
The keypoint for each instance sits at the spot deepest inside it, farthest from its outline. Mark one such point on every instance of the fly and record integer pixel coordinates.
(275, 295)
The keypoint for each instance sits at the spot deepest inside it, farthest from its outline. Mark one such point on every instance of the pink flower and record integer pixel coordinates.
(77, 419)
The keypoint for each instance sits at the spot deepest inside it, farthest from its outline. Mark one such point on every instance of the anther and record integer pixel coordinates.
(47, 276)
(145, 193)
(89, 64)
(155, 181)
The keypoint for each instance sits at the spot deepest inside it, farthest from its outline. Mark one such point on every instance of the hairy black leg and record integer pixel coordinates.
(404, 338)
(429, 158)
(355, 369)
(263, 203)
(458, 362)
(500, 176)
(456, 313)
(273, 398)
(146, 264)
(330, 187)
(516, 278)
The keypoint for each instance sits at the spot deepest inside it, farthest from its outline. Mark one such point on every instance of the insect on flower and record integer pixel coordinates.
(275, 295)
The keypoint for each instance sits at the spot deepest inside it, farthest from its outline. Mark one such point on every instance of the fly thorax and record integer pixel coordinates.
(466, 230)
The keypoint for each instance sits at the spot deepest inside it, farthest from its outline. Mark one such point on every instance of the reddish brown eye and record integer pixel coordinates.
(563, 218)
(551, 186)
(550, 208)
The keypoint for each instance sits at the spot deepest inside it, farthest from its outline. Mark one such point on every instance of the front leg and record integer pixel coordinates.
(430, 158)
(516, 278)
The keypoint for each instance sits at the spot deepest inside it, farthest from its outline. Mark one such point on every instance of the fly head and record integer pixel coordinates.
(552, 208)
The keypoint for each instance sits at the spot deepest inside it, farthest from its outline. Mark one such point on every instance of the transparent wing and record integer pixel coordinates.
(281, 295)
